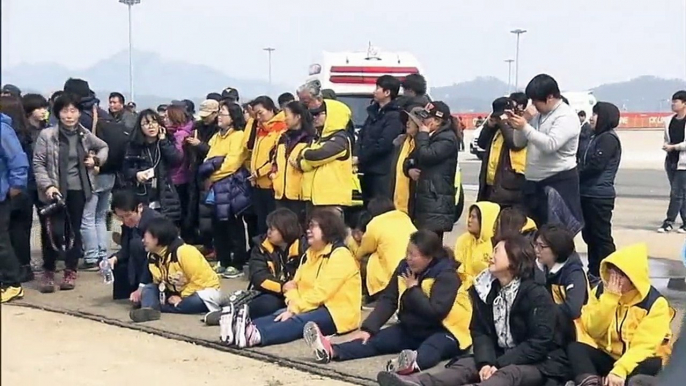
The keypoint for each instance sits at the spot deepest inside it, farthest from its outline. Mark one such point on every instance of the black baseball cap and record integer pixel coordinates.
(230, 93)
(12, 90)
(436, 109)
(499, 106)
(214, 96)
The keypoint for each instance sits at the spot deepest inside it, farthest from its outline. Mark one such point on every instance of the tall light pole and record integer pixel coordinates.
(517, 32)
(509, 74)
(269, 51)
(130, 4)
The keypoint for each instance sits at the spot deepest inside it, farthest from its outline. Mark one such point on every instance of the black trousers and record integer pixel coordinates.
(66, 222)
(465, 372)
(263, 203)
(597, 231)
(374, 185)
(265, 304)
(9, 265)
(184, 201)
(229, 242)
(586, 360)
(21, 220)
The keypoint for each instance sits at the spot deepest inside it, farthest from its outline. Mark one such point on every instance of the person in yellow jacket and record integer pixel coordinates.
(286, 178)
(270, 127)
(224, 159)
(473, 248)
(433, 313)
(327, 163)
(629, 321)
(383, 244)
(402, 185)
(180, 280)
(325, 290)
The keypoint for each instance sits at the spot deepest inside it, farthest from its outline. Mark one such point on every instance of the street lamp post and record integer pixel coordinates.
(130, 4)
(509, 74)
(517, 32)
(269, 51)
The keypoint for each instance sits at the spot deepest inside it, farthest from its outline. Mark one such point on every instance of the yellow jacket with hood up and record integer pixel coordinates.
(634, 326)
(474, 252)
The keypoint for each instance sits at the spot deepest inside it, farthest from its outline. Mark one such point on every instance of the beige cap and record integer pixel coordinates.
(208, 107)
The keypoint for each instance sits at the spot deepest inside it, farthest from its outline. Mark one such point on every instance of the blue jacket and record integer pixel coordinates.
(14, 166)
(232, 193)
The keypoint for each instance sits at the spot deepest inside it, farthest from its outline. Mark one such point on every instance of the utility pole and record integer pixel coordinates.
(517, 32)
(269, 52)
(130, 4)
(509, 75)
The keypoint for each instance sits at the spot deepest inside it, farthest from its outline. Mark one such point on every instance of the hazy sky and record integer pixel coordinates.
(580, 42)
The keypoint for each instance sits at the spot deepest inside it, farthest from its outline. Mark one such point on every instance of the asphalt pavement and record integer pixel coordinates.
(630, 183)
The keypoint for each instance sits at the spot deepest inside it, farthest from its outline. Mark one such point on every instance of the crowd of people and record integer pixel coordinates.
(267, 189)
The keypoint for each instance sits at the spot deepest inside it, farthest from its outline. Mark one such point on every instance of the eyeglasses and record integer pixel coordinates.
(540, 246)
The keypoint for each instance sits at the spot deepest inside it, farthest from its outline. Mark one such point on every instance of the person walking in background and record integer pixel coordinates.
(14, 168)
(119, 113)
(375, 142)
(675, 163)
(179, 126)
(586, 132)
(598, 166)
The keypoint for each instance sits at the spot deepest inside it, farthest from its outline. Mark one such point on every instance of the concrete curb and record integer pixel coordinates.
(248, 353)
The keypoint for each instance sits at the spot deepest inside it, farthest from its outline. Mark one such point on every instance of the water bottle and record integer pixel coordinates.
(106, 271)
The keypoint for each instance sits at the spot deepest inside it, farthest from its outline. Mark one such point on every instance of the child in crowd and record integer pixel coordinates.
(566, 280)
(628, 320)
(434, 315)
(512, 327)
(384, 240)
(274, 260)
(473, 248)
(325, 290)
(181, 280)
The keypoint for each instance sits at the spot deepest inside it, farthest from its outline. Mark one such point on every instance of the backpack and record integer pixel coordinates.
(116, 135)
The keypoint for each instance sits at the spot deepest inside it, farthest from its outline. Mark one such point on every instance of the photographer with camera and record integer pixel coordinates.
(65, 161)
(502, 171)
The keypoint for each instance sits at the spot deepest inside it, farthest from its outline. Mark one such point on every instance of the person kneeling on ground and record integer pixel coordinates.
(130, 263)
(274, 261)
(628, 320)
(182, 280)
(325, 290)
(512, 327)
(384, 241)
(434, 315)
(473, 248)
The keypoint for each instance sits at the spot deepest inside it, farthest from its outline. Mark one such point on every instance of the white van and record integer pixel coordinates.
(352, 75)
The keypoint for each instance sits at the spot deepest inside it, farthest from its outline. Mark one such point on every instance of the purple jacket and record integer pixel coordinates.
(181, 174)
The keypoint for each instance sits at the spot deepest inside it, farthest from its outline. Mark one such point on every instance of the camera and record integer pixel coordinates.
(56, 204)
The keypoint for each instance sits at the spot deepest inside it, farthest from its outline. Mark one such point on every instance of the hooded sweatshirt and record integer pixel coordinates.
(634, 326)
(474, 252)
(180, 174)
(599, 158)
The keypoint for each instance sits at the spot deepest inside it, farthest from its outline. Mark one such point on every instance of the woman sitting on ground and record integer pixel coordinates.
(181, 280)
(473, 248)
(434, 315)
(512, 327)
(325, 290)
(274, 261)
(512, 221)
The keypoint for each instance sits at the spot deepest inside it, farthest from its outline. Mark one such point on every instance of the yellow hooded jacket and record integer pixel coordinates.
(230, 146)
(327, 163)
(634, 326)
(473, 253)
(386, 239)
(401, 193)
(262, 152)
(182, 269)
(329, 278)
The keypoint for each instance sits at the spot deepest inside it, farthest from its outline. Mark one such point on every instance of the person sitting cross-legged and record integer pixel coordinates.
(434, 314)
(326, 289)
(181, 280)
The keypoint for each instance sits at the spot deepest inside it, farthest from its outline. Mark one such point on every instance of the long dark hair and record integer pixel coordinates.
(236, 114)
(306, 119)
(137, 136)
(13, 108)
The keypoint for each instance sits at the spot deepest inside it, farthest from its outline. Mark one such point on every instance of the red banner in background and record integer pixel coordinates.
(626, 120)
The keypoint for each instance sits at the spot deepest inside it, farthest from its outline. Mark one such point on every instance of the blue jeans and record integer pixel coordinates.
(150, 298)
(273, 332)
(392, 340)
(94, 223)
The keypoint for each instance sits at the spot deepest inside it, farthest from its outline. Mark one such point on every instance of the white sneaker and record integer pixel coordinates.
(242, 320)
(226, 325)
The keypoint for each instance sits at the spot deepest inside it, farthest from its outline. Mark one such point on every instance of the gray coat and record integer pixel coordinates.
(46, 158)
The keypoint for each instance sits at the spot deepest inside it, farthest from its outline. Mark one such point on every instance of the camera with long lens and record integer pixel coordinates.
(56, 204)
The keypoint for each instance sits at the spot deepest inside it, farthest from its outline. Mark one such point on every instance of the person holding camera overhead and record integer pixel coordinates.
(149, 157)
(66, 159)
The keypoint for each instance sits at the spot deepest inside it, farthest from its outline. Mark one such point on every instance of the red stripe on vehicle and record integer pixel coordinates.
(375, 70)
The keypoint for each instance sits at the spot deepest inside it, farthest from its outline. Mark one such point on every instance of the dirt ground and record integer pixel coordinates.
(40, 347)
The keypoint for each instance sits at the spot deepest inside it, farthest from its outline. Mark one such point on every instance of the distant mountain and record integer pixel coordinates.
(472, 96)
(166, 79)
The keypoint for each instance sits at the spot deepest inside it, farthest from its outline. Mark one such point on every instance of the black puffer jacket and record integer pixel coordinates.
(375, 142)
(433, 205)
(160, 155)
(199, 215)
